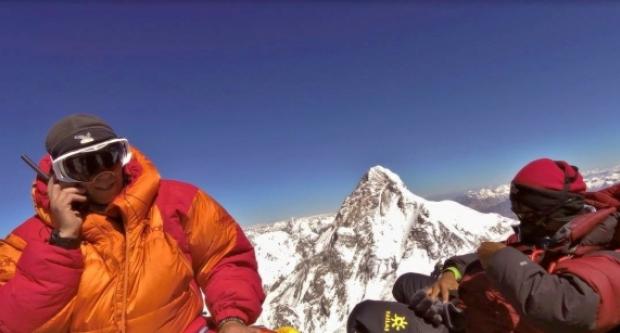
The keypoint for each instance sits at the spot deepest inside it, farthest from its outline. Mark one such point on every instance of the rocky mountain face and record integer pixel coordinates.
(316, 269)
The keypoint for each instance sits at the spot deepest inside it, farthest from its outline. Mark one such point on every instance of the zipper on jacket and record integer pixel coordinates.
(125, 284)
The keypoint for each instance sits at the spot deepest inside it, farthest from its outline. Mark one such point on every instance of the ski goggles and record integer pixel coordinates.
(83, 164)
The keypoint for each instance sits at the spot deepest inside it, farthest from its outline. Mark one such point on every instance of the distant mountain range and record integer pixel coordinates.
(495, 199)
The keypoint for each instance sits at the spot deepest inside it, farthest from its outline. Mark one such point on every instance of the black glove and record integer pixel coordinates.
(436, 312)
(426, 308)
(375, 316)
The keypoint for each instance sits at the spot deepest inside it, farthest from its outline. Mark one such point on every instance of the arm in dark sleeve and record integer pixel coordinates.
(461, 262)
(408, 284)
(555, 303)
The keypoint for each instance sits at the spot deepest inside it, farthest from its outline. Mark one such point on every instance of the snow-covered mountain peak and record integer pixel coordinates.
(379, 194)
(381, 175)
(501, 191)
(375, 217)
(316, 269)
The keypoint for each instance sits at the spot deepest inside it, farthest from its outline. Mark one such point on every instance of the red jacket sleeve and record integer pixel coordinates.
(38, 280)
(224, 262)
(600, 271)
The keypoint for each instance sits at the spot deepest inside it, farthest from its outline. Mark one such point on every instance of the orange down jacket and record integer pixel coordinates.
(141, 266)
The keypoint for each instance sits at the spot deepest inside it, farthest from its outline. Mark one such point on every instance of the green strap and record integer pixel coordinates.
(454, 271)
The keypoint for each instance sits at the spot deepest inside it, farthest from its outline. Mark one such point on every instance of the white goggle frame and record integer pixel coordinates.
(59, 169)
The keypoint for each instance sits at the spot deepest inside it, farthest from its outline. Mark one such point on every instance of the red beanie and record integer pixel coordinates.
(551, 175)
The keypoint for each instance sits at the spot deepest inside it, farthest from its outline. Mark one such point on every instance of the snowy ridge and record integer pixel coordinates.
(499, 192)
(495, 199)
(316, 269)
(600, 178)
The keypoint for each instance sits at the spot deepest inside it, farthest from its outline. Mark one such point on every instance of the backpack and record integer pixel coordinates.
(608, 198)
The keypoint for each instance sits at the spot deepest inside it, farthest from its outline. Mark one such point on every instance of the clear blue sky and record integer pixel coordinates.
(277, 109)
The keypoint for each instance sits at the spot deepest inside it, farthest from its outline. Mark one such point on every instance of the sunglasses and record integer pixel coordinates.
(84, 164)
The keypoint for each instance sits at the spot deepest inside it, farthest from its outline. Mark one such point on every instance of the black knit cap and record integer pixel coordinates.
(77, 131)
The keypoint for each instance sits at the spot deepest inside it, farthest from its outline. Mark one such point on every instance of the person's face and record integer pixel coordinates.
(536, 226)
(531, 227)
(105, 186)
(99, 172)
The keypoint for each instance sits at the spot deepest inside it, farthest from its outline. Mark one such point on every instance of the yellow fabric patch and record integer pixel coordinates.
(394, 322)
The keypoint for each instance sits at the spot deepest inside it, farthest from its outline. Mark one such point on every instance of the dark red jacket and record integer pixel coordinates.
(574, 287)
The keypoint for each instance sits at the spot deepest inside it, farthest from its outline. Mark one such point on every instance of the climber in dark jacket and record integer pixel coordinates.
(558, 273)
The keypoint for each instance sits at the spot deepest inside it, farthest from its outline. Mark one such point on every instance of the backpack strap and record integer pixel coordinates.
(585, 223)
(609, 197)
